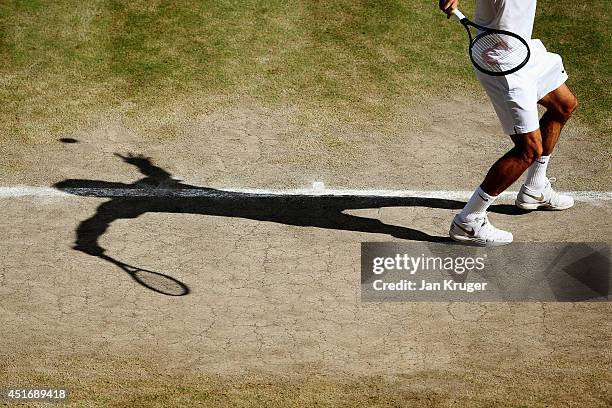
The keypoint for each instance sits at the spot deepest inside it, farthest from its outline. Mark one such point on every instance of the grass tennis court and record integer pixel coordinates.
(62, 61)
(367, 95)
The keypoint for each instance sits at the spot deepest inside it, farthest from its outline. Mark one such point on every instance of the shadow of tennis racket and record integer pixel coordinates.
(156, 281)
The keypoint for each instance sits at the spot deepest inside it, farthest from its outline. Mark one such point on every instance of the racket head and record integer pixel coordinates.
(155, 281)
(499, 52)
(158, 282)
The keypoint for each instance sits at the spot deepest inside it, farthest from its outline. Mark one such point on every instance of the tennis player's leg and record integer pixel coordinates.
(505, 171)
(560, 104)
(471, 225)
(515, 101)
(89, 231)
(537, 191)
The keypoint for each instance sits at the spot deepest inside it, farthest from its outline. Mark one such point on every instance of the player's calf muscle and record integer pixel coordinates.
(528, 146)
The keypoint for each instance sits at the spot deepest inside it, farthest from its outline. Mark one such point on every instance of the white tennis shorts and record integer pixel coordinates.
(515, 97)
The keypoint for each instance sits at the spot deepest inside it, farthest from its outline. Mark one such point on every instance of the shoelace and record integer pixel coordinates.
(489, 230)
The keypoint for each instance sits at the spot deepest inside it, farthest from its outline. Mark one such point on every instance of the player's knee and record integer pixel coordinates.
(565, 109)
(571, 106)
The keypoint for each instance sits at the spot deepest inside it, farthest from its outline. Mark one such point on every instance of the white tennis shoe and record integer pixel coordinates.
(479, 232)
(548, 199)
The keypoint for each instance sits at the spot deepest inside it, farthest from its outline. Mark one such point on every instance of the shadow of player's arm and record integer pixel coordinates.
(146, 167)
(90, 230)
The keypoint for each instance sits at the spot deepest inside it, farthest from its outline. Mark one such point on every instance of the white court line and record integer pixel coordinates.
(318, 189)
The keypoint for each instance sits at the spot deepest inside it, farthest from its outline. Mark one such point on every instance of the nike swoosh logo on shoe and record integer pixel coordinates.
(486, 199)
(470, 233)
(540, 198)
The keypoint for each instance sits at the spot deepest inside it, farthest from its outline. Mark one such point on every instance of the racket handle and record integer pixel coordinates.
(458, 15)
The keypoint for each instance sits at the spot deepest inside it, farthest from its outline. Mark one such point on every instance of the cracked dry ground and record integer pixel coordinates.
(274, 316)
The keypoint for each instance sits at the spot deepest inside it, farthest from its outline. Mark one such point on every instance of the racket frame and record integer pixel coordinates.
(459, 16)
(133, 272)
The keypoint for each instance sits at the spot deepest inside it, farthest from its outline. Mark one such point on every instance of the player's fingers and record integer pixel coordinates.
(443, 4)
(448, 6)
(454, 6)
(451, 6)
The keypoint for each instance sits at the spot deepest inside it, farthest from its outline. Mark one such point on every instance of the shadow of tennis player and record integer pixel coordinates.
(159, 192)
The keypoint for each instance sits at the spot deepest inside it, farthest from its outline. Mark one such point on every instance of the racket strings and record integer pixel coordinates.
(498, 52)
(159, 282)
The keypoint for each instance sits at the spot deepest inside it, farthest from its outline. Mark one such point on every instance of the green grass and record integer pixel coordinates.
(134, 378)
(63, 61)
(580, 32)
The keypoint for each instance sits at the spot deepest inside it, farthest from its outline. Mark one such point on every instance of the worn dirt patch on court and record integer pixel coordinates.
(274, 316)
(435, 145)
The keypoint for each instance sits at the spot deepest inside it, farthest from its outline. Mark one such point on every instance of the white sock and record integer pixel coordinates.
(477, 206)
(536, 174)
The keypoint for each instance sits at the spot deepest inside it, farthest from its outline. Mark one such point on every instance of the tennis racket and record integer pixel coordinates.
(495, 52)
(157, 282)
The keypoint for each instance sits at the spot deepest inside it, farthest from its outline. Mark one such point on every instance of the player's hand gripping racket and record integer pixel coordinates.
(495, 52)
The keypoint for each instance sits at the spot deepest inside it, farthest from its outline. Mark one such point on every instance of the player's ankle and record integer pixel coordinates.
(534, 189)
(470, 217)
